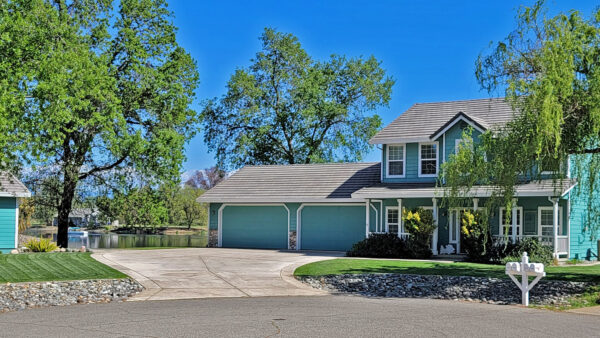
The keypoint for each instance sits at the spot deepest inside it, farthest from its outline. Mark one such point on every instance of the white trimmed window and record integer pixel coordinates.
(506, 224)
(546, 221)
(396, 156)
(392, 220)
(458, 142)
(428, 159)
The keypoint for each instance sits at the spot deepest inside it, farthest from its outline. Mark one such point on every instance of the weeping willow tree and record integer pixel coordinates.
(549, 69)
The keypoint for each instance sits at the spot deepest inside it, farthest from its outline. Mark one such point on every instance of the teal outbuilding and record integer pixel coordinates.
(11, 191)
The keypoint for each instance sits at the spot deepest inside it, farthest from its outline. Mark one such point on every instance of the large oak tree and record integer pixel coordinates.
(89, 88)
(288, 108)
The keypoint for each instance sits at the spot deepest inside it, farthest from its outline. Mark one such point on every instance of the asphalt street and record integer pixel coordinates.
(317, 316)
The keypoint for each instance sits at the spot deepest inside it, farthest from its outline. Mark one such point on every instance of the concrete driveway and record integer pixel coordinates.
(213, 272)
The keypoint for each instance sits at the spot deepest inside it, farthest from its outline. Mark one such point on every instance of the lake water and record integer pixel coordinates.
(123, 241)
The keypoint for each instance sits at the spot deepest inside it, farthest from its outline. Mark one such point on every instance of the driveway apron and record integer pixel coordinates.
(213, 272)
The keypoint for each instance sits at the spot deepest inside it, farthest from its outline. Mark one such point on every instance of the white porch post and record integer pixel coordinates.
(367, 228)
(399, 216)
(514, 220)
(475, 204)
(569, 226)
(435, 232)
(555, 226)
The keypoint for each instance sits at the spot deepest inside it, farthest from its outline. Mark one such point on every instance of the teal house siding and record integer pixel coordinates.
(411, 166)
(584, 235)
(332, 227)
(8, 221)
(453, 134)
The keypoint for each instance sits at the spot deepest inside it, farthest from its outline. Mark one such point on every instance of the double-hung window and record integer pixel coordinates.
(395, 160)
(506, 222)
(546, 221)
(392, 220)
(428, 159)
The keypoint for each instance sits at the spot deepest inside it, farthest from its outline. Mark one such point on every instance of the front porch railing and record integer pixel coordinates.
(403, 235)
(562, 241)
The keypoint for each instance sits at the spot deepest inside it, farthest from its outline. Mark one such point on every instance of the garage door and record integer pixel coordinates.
(332, 227)
(260, 227)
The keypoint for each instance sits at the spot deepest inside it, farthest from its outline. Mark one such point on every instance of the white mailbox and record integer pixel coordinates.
(525, 269)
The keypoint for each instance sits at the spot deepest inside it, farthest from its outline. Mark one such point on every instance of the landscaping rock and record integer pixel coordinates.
(481, 289)
(20, 296)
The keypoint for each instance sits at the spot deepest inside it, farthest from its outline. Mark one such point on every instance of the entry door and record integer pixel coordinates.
(454, 234)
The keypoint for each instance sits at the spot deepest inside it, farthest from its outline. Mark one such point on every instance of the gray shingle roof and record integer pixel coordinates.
(416, 190)
(294, 183)
(422, 120)
(10, 186)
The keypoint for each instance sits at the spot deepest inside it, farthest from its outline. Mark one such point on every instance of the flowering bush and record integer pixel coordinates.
(419, 224)
(477, 237)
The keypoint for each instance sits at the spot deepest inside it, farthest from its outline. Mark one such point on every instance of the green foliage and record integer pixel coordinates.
(420, 225)
(288, 108)
(167, 205)
(143, 207)
(537, 252)
(40, 245)
(381, 246)
(477, 236)
(26, 210)
(99, 93)
(189, 211)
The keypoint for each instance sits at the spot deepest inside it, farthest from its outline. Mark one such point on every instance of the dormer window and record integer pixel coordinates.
(428, 159)
(396, 156)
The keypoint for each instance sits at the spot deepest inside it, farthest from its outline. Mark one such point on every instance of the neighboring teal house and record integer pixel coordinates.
(332, 206)
(11, 189)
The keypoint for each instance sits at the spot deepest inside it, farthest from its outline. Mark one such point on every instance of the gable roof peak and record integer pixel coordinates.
(422, 121)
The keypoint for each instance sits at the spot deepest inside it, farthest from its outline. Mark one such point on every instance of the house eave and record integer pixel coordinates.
(453, 121)
(290, 199)
(394, 140)
(439, 193)
(15, 194)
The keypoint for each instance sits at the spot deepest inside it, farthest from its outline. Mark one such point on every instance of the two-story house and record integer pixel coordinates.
(332, 206)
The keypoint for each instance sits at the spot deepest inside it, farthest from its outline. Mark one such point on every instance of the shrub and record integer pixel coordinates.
(420, 225)
(477, 237)
(380, 246)
(536, 251)
(40, 245)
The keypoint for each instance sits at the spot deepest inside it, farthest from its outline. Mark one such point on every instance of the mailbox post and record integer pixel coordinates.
(525, 269)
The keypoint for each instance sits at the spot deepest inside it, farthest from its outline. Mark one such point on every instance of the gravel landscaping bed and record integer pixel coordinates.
(20, 296)
(482, 289)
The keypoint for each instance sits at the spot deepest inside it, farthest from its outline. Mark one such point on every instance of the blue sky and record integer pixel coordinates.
(428, 47)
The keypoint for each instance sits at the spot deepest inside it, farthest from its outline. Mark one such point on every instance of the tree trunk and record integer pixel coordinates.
(65, 206)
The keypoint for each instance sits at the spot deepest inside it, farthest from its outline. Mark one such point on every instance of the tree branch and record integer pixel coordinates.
(103, 168)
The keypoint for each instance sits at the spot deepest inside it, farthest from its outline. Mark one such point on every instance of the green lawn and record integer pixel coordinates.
(584, 273)
(53, 267)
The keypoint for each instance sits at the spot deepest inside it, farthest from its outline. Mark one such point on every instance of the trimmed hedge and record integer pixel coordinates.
(388, 246)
